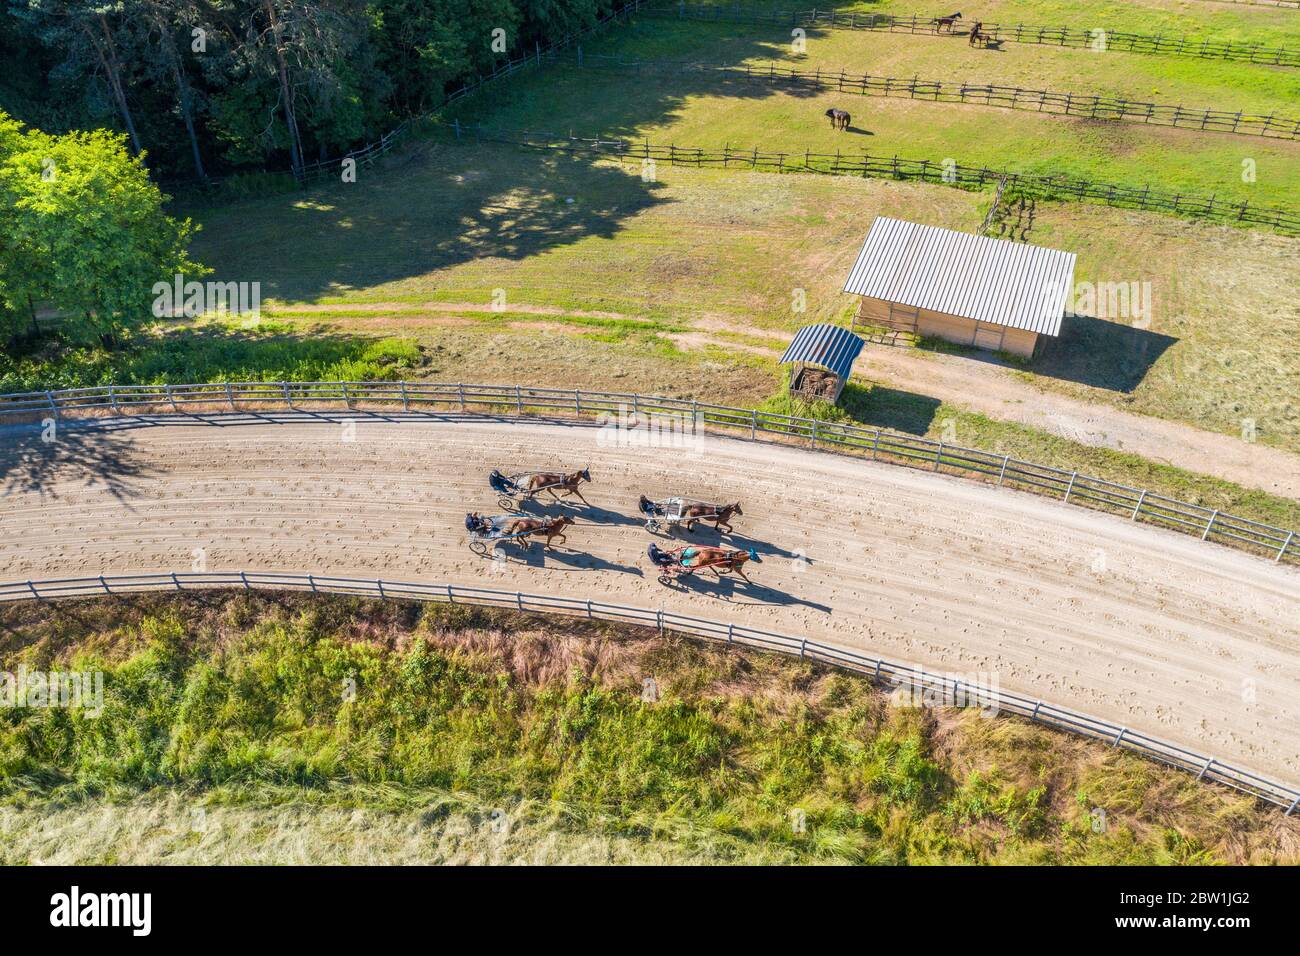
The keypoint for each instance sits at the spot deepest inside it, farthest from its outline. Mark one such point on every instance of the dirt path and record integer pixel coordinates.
(995, 392)
(982, 387)
(1157, 631)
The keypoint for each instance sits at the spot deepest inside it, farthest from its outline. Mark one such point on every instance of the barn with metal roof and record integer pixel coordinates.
(973, 290)
(822, 356)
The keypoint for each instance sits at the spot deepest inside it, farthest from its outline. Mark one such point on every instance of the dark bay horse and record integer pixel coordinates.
(977, 36)
(947, 23)
(839, 118)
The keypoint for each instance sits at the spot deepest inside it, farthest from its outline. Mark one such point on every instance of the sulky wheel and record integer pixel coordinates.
(506, 502)
(665, 580)
(478, 547)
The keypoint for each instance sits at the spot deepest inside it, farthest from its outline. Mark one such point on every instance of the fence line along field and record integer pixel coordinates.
(1086, 106)
(723, 106)
(946, 172)
(1097, 38)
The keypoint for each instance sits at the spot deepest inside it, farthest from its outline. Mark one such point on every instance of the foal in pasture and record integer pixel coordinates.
(947, 23)
(839, 118)
(550, 481)
(977, 36)
(720, 515)
(550, 528)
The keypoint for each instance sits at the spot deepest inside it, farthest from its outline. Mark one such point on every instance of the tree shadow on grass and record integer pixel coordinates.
(471, 202)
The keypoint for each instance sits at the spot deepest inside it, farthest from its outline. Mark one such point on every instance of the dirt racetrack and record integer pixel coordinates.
(1153, 630)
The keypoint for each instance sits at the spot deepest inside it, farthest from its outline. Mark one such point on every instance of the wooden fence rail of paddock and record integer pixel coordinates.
(863, 164)
(691, 419)
(921, 686)
(1098, 39)
(1077, 105)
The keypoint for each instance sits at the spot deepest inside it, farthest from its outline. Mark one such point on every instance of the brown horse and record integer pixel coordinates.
(839, 118)
(525, 528)
(550, 481)
(721, 561)
(947, 23)
(977, 36)
(720, 515)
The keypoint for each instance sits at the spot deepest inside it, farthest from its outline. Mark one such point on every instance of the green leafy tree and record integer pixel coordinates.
(85, 232)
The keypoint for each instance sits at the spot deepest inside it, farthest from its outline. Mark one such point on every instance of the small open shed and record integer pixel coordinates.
(822, 356)
(990, 293)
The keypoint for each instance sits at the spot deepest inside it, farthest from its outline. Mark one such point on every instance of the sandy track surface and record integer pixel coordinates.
(1156, 631)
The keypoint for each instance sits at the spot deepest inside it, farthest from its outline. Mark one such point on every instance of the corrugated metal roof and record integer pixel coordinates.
(829, 346)
(992, 280)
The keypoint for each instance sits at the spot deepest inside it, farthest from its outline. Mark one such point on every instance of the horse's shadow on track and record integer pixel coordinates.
(730, 589)
(567, 558)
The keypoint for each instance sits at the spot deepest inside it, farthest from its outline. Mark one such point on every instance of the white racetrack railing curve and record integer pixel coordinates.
(1209, 524)
(930, 687)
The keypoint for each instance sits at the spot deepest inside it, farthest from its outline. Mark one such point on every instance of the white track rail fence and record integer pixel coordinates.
(937, 687)
(1208, 524)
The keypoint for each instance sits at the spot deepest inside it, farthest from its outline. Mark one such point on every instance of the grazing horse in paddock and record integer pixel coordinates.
(839, 119)
(720, 515)
(977, 36)
(549, 481)
(947, 23)
(525, 528)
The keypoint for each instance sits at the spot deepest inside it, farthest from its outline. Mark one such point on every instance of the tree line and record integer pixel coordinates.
(204, 86)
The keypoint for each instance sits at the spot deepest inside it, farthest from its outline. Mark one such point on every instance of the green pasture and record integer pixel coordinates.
(1203, 19)
(711, 109)
(717, 253)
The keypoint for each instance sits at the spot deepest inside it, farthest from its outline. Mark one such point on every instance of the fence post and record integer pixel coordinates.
(1138, 507)
(938, 453)
(54, 407)
(230, 397)
(460, 390)
(1070, 487)
(1208, 763)
(519, 401)
(1119, 738)
(406, 400)
(753, 433)
(577, 400)
(243, 576)
(112, 397)
(35, 593)
(1002, 474)
(1282, 550)
(1210, 524)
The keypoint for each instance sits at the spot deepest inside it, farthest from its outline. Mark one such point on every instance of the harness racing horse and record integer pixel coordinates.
(550, 481)
(687, 560)
(720, 515)
(947, 23)
(523, 528)
(839, 118)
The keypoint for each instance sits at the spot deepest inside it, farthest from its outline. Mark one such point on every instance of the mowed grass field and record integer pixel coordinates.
(668, 104)
(1203, 19)
(661, 285)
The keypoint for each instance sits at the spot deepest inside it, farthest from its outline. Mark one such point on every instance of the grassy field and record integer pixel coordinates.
(668, 105)
(722, 253)
(1269, 26)
(240, 728)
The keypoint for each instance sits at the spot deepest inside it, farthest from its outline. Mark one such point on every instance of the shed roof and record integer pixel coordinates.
(959, 273)
(828, 346)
